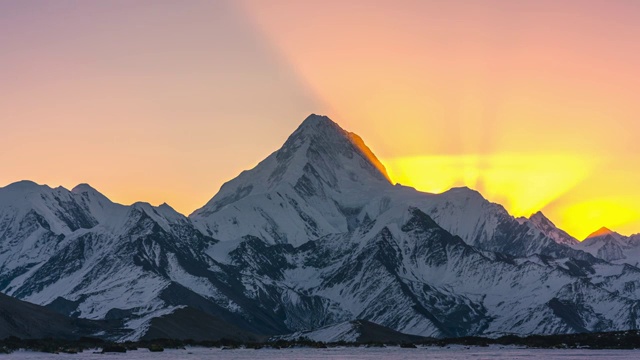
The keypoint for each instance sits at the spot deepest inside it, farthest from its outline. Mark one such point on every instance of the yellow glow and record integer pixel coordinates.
(582, 218)
(522, 183)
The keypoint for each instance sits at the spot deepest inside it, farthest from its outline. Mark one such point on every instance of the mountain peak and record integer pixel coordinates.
(600, 232)
(317, 131)
(326, 140)
(319, 160)
(89, 192)
(539, 217)
(18, 190)
(549, 229)
(537, 214)
(315, 121)
(315, 127)
(24, 185)
(82, 188)
(465, 192)
(319, 151)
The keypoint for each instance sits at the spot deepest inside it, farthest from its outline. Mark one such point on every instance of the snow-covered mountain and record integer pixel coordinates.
(315, 235)
(405, 272)
(325, 180)
(29, 321)
(328, 255)
(611, 246)
(82, 255)
(549, 229)
(315, 185)
(603, 243)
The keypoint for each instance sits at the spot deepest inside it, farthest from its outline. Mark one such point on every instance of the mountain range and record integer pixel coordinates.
(315, 238)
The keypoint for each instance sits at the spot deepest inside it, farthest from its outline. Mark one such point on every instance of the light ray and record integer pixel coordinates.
(522, 183)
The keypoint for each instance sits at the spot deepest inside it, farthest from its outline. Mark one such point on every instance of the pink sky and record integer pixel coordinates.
(534, 103)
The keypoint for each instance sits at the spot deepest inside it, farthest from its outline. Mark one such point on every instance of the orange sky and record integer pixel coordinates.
(531, 102)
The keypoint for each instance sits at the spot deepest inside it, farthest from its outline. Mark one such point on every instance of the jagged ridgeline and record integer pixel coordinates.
(312, 240)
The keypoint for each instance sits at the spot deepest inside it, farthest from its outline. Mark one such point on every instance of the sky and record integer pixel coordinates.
(533, 103)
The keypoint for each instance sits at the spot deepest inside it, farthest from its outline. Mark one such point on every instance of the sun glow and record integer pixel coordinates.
(524, 184)
(582, 218)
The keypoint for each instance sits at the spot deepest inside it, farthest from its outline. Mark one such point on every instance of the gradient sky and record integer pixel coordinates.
(533, 103)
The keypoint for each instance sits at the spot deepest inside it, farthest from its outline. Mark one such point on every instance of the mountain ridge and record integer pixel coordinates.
(314, 235)
(603, 231)
(28, 321)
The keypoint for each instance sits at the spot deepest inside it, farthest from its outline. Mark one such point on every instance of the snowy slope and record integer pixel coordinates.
(406, 273)
(611, 246)
(29, 321)
(82, 255)
(313, 186)
(542, 223)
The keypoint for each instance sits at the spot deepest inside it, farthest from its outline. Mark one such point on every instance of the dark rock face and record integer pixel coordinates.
(29, 321)
(371, 332)
(569, 314)
(189, 323)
